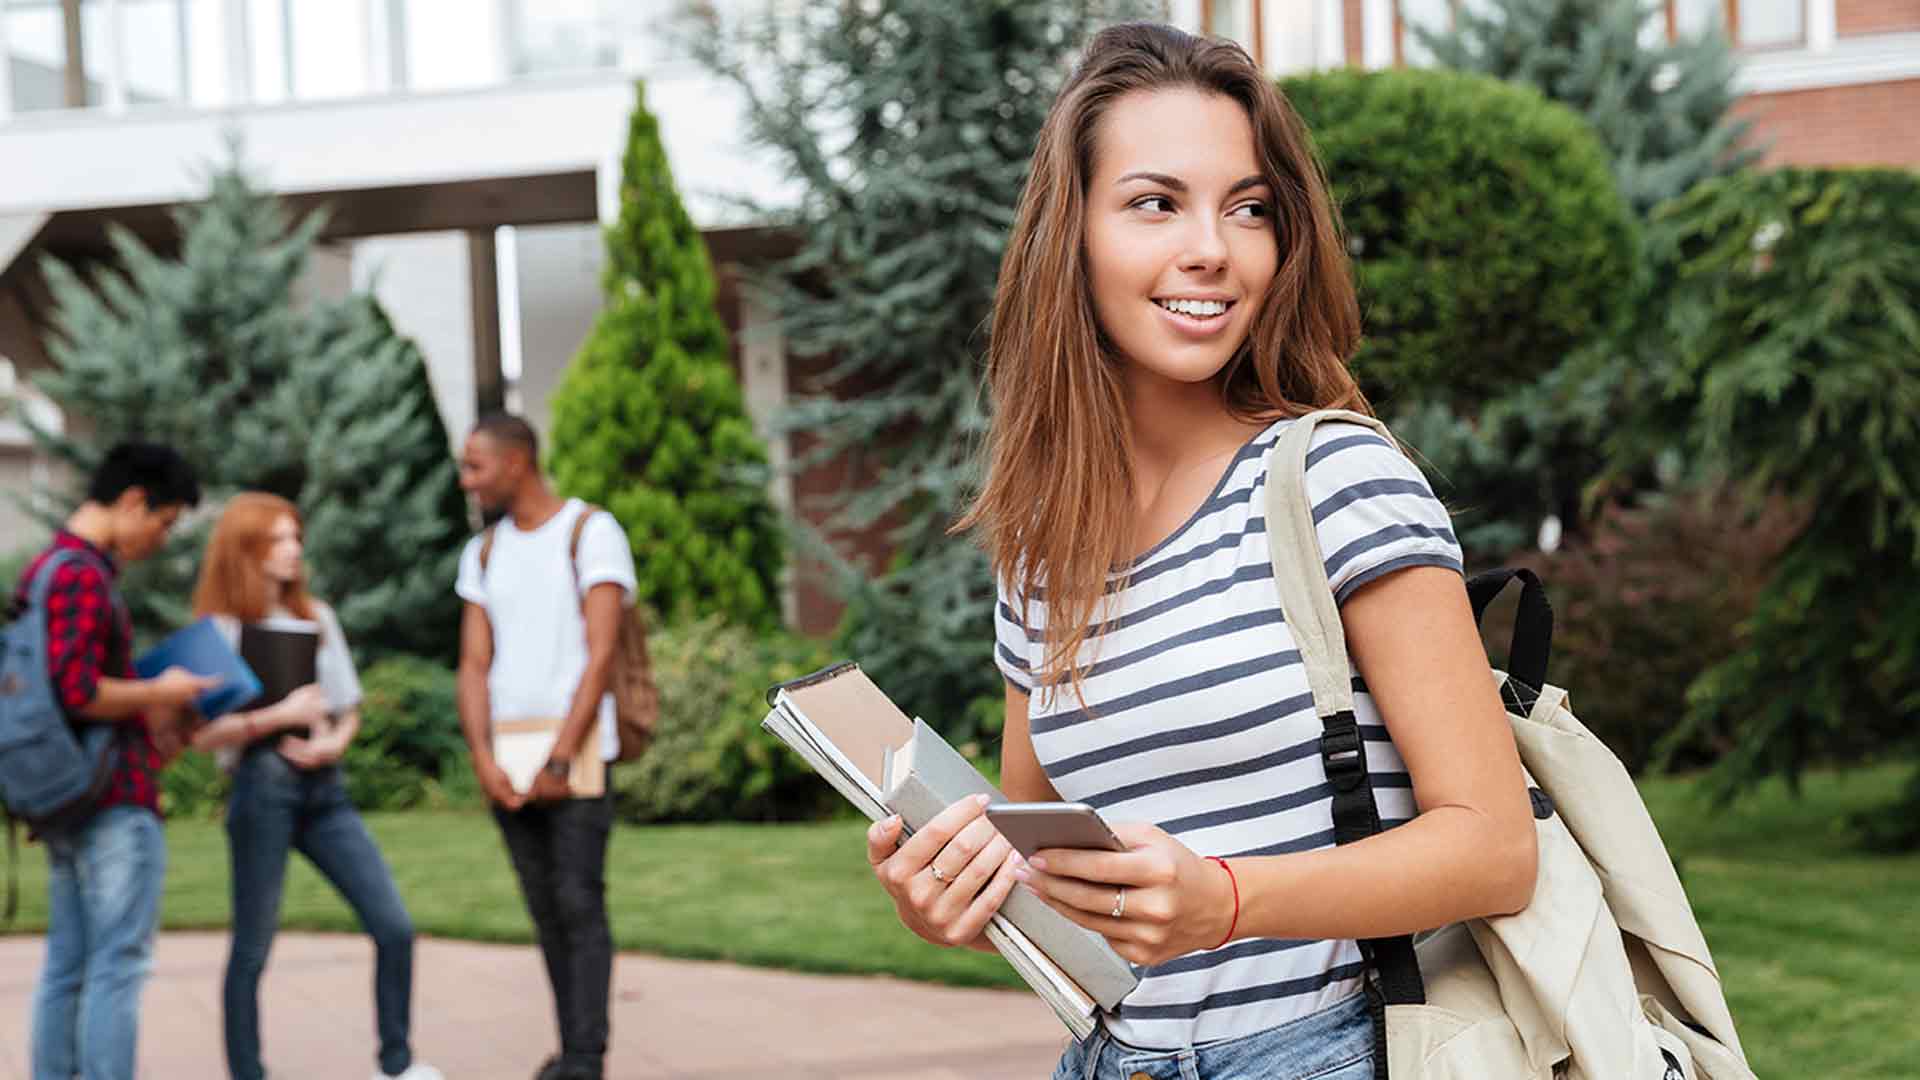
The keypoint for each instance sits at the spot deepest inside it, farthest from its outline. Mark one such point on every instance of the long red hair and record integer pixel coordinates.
(233, 577)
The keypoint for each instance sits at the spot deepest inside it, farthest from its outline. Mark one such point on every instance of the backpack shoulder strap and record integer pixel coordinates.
(1307, 604)
(34, 596)
(573, 544)
(486, 546)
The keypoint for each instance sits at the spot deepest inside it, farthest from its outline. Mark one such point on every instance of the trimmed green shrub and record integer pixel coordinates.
(649, 421)
(710, 761)
(1489, 239)
(409, 743)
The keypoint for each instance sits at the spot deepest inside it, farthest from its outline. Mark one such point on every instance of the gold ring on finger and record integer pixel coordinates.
(1120, 901)
(938, 875)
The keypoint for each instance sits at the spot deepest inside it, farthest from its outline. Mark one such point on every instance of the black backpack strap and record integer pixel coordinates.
(13, 867)
(1355, 817)
(1532, 624)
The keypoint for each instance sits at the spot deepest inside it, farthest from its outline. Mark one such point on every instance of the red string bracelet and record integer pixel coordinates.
(1235, 882)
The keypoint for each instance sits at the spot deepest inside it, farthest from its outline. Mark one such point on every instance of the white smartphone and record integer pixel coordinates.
(1037, 826)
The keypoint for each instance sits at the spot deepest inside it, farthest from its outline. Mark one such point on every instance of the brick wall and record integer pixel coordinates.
(1876, 16)
(1872, 124)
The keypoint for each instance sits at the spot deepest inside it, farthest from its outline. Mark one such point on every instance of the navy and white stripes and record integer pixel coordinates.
(1197, 715)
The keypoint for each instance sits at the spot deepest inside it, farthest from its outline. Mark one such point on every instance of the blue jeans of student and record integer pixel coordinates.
(276, 809)
(103, 899)
(1335, 1043)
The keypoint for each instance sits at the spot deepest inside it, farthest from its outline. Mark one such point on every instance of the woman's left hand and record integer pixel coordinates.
(1153, 902)
(315, 753)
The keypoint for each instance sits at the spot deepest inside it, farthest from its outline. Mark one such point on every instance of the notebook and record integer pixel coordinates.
(284, 653)
(860, 742)
(201, 649)
(522, 746)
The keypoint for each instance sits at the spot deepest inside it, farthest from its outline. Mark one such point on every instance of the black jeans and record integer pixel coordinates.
(276, 808)
(559, 853)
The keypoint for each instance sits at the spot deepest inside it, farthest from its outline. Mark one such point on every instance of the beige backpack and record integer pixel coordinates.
(636, 703)
(1605, 975)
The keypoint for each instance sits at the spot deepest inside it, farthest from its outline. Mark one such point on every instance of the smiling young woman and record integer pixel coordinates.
(1174, 294)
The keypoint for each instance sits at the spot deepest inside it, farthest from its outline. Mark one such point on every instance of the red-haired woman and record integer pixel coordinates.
(287, 792)
(1174, 294)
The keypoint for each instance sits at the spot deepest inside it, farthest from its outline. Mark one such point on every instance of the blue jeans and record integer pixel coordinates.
(1335, 1043)
(103, 899)
(276, 808)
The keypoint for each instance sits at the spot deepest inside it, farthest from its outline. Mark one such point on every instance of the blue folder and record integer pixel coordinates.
(202, 650)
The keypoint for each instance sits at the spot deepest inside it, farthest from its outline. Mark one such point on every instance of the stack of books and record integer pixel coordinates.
(883, 763)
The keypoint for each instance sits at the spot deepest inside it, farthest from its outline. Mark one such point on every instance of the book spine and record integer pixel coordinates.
(1082, 954)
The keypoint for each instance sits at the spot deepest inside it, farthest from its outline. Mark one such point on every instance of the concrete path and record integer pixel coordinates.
(483, 1012)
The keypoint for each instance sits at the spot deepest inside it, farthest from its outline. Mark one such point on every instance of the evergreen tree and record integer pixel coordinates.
(385, 516)
(1661, 109)
(906, 127)
(649, 421)
(1788, 357)
(328, 407)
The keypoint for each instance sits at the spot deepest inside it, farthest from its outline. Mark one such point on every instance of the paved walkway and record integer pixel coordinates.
(483, 1012)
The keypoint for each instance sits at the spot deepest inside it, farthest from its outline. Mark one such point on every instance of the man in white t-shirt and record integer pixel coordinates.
(537, 643)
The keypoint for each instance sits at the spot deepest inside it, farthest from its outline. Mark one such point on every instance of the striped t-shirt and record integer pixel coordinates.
(1198, 718)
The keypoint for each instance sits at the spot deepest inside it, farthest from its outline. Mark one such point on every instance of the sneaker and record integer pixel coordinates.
(417, 1071)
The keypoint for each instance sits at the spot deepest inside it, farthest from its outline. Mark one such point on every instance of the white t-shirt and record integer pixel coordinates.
(334, 672)
(539, 633)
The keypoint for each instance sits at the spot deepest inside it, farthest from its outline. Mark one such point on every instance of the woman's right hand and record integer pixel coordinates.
(305, 707)
(974, 865)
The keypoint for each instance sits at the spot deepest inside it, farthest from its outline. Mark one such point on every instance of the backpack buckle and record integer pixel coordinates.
(1341, 753)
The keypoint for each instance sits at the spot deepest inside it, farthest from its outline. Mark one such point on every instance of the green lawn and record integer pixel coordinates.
(1817, 942)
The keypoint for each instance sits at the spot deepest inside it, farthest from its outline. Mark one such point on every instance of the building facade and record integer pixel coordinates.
(1825, 82)
(468, 151)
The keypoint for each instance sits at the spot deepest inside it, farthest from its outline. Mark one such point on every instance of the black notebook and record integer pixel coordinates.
(284, 653)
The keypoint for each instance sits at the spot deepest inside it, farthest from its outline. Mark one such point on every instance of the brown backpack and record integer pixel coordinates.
(636, 703)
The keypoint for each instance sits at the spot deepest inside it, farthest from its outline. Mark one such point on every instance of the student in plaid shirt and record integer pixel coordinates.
(104, 875)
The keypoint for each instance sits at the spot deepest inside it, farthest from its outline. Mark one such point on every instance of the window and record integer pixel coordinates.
(1237, 20)
(1752, 24)
(37, 48)
(1434, 16)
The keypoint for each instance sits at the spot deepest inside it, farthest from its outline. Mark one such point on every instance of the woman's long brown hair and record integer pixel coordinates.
(1055, 512)
(233, 577)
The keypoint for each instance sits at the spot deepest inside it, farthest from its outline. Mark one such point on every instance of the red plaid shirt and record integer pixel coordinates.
(89, 635)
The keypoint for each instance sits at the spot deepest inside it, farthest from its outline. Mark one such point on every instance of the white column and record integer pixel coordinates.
(373, 17)
(6, 69)
(1289, 32)
(763, 375)
(1822, 25)
(1376, 33)
(606, 183)
(1330, 35)
(1185, 14)
(239, 54)
(116, 88)
(286, 49)
(506, 21)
